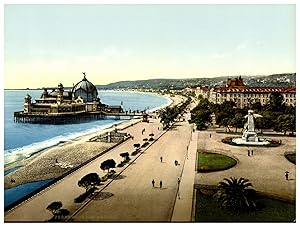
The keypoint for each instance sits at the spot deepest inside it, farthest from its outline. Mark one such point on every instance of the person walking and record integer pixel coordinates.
(153, 183)
(286, 175)
(178, 181)
(251, 152)
(161, 158)
(160, 184)
(248, 152)
(209, 135)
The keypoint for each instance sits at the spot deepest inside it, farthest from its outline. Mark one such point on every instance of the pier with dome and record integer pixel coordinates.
(67, 106)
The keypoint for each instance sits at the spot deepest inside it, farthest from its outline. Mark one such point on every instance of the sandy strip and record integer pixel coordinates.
(68, 155)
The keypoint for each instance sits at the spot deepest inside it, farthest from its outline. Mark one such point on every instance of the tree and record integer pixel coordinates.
(201, 118)
(108, 164)
(125, 155)
(225, 122)
(275, 103)
(151, 136)
(285, 122)
(256, 107)
(89, 181)
(237, 121)
(235, 194)
(136, 146)
(54, 207)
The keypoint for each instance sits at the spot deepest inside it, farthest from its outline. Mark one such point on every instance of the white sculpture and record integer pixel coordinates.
(249, 125)
(249, 135)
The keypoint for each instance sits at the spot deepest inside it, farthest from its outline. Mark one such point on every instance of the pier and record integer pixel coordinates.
(71, 117)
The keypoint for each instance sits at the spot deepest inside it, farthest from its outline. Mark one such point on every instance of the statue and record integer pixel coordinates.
(249, 125)
(249, 135)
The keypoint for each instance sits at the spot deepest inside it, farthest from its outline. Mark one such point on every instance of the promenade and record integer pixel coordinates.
(130, 197)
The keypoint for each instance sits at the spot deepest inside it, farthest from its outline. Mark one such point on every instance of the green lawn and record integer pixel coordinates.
(291, 158)
(207, 210)
(208, 162)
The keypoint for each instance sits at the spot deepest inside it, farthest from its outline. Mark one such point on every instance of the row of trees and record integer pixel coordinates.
(170, 114)
(276, 114)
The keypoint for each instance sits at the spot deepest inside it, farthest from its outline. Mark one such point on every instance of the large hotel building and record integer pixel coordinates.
(235, 90)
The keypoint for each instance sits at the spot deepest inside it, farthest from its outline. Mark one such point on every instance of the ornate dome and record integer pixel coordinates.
(86, 90)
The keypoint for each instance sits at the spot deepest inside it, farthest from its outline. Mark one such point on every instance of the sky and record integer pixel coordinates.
(48, 44)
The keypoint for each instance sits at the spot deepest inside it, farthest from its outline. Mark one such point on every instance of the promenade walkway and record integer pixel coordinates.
(133, 198)
(184, 202)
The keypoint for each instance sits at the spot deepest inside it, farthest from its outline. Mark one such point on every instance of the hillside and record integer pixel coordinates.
(275, 80)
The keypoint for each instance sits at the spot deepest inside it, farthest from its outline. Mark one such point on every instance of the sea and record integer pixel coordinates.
(21, 140)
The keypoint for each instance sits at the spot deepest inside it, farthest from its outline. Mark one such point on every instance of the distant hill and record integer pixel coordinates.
(275, 80)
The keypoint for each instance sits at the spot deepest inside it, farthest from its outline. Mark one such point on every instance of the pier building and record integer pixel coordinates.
(66, 106)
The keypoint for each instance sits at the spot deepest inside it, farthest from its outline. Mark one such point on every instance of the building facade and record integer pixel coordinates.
(236, 91)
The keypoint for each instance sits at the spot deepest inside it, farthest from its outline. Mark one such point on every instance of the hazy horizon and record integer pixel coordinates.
(48, 44)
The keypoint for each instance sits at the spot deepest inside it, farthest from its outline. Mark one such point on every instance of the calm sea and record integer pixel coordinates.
(22, 140)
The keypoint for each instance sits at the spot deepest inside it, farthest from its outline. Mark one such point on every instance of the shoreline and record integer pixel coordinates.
(41, 166)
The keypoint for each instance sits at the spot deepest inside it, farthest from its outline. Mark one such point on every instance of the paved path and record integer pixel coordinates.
(184, 201)
(265, 169)
(133, 198)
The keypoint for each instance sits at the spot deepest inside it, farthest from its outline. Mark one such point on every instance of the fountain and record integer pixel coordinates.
(249, 135)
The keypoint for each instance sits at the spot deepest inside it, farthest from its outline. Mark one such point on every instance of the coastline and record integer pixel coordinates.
(42, 165)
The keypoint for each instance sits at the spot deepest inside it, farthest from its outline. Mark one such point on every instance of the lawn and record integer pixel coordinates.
(207, 210)
(208, 162)
(291, 158)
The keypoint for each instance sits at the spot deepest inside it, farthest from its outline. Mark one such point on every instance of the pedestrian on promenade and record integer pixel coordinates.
(286, 175)
(153, 183)
(248, 152)
(56, 160)
(209, 135)
(158, 128)
(161, 158)
(178, 181)
(160, 184)
(178, 194)
(251, 152)
(176, 162)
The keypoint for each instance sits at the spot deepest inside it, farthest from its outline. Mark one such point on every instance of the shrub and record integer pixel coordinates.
(227, 140)
(145, 144)
(134, 153)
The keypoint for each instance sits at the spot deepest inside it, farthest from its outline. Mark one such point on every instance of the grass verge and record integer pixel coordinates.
(291, 158)
(209, 162)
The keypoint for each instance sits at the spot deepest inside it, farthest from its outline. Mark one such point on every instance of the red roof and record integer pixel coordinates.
(255, 89)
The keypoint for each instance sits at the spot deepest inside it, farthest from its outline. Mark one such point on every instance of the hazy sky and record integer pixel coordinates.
(48, 44)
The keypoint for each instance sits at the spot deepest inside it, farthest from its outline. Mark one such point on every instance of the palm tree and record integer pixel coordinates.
(236, 194)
